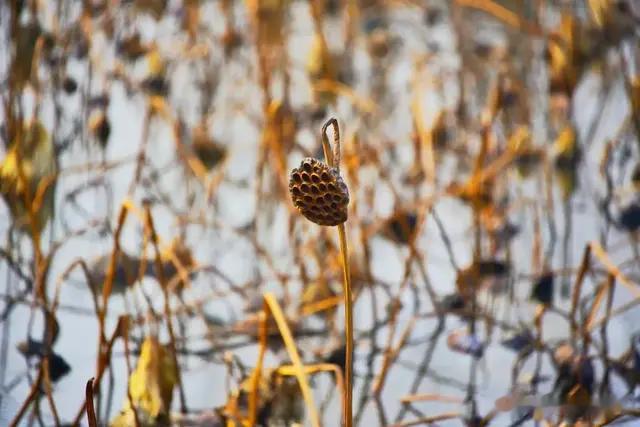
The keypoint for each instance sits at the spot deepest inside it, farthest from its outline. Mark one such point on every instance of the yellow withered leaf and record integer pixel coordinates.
(151, 384)
(519, 140)
(527, 156)
(565, 145)
(566, 152)
(155, 63)
(564, 52)
(558, 60)
(158, 105)
(319, 63)
(321, 67)
(178, 262)
(281, 126)
(29, 168)
(599, 10)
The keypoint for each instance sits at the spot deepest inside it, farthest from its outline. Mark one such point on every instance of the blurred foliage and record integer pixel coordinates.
(146, 153)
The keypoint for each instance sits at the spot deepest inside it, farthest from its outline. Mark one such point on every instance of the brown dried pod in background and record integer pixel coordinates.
(132, 47)
(319, 193)
(209, 152)
(100, 127)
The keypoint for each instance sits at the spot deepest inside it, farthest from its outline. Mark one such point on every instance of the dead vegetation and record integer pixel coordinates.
(171, 192)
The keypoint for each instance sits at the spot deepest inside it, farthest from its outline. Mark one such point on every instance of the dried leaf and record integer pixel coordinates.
(563, 51)
(567, 154)
(151, 384)
(542, 291)
(25, 46)
(527, 157)
(155, 62)
(131, 47)
(269, 18)
(566, 148)
(401, 227)
(191, 18)
(29, 167)
(287, 404)
(599, 10)
(158, 106)
(100, 127)
(58, 367)
(209, 152)
(155, 8)
(321, 67)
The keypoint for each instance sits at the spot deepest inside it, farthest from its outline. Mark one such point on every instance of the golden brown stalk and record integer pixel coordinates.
(348, 315)
(333, 159)
(321, 196)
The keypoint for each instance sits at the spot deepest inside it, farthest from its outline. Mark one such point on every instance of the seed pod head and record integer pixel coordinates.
(319, 192)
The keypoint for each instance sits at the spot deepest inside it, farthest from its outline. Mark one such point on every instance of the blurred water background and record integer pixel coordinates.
(243, 233)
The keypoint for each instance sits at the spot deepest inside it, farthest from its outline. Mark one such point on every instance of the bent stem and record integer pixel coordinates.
(348, 316)
(333, 160)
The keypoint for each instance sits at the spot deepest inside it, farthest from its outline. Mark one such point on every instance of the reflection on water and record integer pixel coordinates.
(490, 154)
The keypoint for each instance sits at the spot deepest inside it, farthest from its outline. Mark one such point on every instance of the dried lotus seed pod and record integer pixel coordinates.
(319, 192)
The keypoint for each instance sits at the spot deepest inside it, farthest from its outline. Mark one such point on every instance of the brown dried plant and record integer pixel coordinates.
(319, 193)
